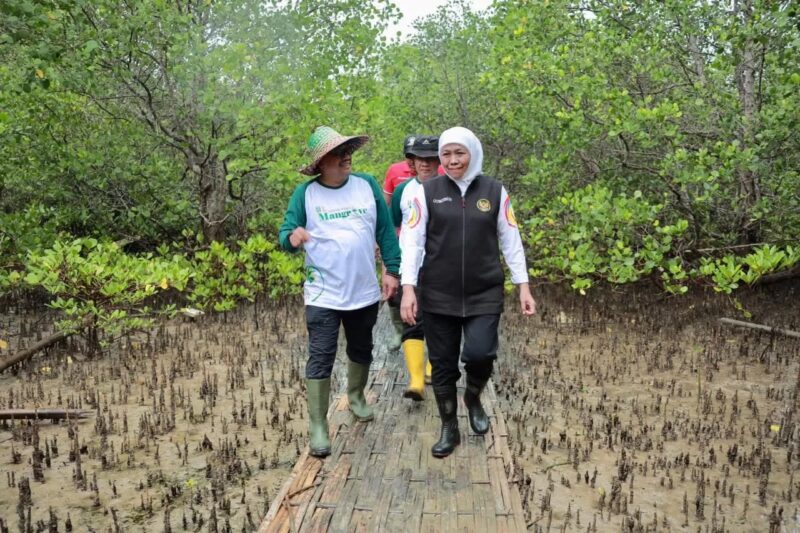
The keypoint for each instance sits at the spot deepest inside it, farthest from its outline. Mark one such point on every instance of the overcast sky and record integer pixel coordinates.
(414, 9)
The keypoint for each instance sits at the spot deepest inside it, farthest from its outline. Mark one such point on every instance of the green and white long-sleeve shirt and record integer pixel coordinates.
(344, 223)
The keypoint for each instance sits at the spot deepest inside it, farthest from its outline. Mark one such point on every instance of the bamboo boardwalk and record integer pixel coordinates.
(381, 476)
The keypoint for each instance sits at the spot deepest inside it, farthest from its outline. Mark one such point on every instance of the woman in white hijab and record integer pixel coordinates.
(464, 220)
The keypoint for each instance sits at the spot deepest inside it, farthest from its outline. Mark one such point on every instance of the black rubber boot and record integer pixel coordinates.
(446, 400)
(478, 419)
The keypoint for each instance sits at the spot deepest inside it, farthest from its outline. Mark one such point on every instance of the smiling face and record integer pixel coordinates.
(335, 168)
(337, 164)
(426, 167)
(455, 160)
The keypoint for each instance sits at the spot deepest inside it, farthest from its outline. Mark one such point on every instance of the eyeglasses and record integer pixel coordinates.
(344, 149)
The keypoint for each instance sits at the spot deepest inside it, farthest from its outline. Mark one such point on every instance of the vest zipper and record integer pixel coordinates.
(463, 254)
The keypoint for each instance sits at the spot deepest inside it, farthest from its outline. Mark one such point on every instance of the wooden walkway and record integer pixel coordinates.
(381, 476)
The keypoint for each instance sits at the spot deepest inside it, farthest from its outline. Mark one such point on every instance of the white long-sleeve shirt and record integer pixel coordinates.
(413, 234)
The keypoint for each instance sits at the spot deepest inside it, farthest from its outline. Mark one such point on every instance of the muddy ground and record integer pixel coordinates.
(626, 413)
(194, 428)
(644, 413)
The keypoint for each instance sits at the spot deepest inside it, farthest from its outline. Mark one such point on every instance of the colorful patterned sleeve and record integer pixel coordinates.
(412, 237)
(511, 241)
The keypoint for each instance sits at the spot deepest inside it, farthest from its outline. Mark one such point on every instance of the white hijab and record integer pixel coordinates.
(468, 140)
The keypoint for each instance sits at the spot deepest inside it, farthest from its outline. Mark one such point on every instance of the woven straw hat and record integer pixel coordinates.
(324, 140)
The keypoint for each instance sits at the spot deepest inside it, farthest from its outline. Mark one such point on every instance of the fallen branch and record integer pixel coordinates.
(50, 414)
(546, 470)
(777, 276)
(41, 345)
(30, 352)
(761, 327)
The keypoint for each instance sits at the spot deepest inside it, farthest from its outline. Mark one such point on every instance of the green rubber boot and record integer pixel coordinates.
(318, 391)
(397, 328)
(356, 382)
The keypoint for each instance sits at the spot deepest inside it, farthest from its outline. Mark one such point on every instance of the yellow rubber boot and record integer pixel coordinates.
(414, 351)
(428, 372)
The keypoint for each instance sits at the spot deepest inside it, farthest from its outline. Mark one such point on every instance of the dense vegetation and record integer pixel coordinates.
(151, 146)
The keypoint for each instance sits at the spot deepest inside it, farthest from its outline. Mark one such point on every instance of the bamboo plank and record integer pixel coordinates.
(392, 458)
(515, 501)
(431, 523)
(303, 497)
(502, 524)
(465, 503)
(294, 491)
(381, 475)
(334, 484)
(433, 492)
(362, 458)
(343, 514)
(381, 512)
(400, 488)
(320, 520)
(409, 451)
(479, 470)
(399, 501)
(45, 413)
(307, 508)
(481, 509)
(451, 515)
(412, 507)
(499, 485)
(359, 521)
(466, 522)
(276, 507)
(355, 437)
(371, 483)
(425, 440)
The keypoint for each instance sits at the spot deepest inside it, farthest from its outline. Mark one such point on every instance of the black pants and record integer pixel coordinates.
(415, 331)
(443, 336)
(323, 336)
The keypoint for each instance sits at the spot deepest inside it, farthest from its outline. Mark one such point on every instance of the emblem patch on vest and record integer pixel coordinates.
(484, 205)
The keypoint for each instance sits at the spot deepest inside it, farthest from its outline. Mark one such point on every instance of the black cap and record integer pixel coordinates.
(408, 142)
(425, 146)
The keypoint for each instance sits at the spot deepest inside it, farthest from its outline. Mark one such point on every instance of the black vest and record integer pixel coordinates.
(461, 273)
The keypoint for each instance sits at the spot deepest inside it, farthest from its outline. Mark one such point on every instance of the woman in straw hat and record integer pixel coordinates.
(337, 217)
(464, 221)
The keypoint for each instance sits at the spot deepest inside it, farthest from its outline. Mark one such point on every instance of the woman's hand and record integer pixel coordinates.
(526, 302)
(408, 305)
(299, 236)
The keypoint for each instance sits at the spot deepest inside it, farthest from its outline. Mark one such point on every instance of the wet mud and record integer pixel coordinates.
(632, 413)
(626, 413)
(194, 426)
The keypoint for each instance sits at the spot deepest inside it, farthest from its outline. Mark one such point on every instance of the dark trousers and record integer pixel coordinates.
(443, 335)
(323, 336)
(410, 332)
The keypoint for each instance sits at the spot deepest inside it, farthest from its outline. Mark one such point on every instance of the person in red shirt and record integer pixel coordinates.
(395, 175)
(400, 171)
